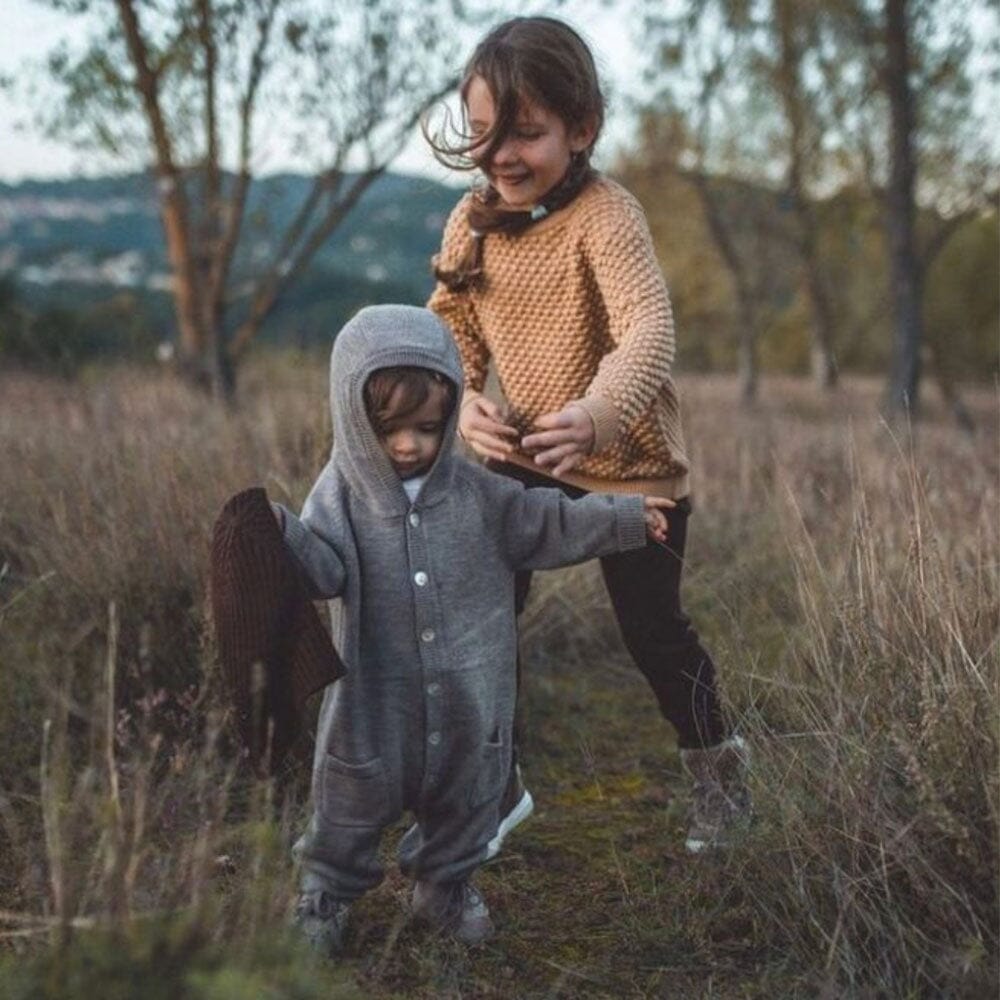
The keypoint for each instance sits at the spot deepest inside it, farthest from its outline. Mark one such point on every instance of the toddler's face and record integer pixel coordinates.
(533, 158)
(412, 442)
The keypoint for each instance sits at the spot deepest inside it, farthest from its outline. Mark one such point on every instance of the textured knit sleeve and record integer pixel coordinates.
(457, 309)
(542, 528)
(313, 539)
(628, 278)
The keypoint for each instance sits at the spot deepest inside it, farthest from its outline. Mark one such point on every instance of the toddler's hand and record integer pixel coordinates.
(481, 425)
(656, 520)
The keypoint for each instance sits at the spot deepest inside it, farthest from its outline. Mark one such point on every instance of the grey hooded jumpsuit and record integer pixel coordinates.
(422, 609)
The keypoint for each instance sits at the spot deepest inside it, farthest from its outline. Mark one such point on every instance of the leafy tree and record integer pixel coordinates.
(194, 86)
(899, 79)
(802, 96)
(962, 310)
(752, 110)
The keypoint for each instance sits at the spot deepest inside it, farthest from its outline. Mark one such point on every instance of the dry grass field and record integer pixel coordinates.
(846, 578)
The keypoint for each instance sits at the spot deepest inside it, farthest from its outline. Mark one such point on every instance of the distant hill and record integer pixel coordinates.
(85, 258)
(78, 242)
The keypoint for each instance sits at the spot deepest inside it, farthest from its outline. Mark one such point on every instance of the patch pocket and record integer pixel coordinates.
(353, 794)
(491, 776)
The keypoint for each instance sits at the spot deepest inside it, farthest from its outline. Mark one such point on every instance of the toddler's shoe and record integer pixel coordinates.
(322, 919)
(515, 807)
(454, 908)
(721, 806)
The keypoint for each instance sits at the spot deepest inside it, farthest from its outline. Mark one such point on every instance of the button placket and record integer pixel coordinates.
(427, 634)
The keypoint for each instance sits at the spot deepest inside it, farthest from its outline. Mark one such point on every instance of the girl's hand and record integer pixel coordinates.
(566, 439)
(656, 520)
(481, 425)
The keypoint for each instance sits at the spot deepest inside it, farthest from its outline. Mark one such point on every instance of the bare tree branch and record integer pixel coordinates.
(173, 197)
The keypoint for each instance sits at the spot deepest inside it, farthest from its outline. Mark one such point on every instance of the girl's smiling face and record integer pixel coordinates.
(534, 156)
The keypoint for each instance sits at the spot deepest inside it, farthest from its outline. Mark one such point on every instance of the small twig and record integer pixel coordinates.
(50, 823)
(24, 591)
(41, 923)
(570, 972)
(109, 719)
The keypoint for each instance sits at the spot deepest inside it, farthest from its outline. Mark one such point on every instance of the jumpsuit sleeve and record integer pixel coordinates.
(313, 541)
(542, 528)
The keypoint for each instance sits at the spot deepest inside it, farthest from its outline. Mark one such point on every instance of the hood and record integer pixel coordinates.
(384, 337)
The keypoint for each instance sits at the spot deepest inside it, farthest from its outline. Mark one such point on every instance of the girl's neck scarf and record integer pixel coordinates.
(487, 215)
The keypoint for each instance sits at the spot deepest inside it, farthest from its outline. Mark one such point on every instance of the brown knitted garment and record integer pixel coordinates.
(263, 615)
(575, 309)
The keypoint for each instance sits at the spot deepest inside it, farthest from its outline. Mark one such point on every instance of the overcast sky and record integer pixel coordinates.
(608, 25)
(38, 29)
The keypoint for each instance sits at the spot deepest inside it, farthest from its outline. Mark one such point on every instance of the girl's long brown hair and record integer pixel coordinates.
(540, 60)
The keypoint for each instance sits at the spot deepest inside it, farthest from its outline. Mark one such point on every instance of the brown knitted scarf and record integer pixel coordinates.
(487, 215)
(272, 647)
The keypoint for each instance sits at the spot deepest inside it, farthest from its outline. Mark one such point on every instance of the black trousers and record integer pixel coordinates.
(644, 587)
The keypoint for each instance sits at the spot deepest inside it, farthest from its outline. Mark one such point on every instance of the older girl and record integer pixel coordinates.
(548, 269)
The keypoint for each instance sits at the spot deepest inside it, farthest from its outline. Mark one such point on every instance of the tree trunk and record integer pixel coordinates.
(184, 281)
(747, 357)
(223, 371)
(823, 359)
(904, 265)
(789, 74)
(746, 311)
(172, 197)
(220, 369)
(950, 394)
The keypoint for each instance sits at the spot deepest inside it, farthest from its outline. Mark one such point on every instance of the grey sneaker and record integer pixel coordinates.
(515, 807)
(454, 908)
(721, 805)
(322, 919)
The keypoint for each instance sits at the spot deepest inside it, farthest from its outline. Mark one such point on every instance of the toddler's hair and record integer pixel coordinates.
(393, 393)
(541, 60)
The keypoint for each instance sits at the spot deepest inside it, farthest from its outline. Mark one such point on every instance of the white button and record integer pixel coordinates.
(427, 635)
(434, 688)
(434, 739)
(414, 518)
(420, 579)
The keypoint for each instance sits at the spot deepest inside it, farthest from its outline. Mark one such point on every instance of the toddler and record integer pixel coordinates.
(420, 548)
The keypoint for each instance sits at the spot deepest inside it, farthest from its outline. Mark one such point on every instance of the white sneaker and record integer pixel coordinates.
(721, 805)
(515, 807)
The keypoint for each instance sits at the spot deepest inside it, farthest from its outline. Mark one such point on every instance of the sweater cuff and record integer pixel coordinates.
(605, 418)
(295, 533)
(279, 513)
(630, 509)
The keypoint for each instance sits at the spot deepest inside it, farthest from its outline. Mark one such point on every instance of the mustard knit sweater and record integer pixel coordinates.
(575, 309)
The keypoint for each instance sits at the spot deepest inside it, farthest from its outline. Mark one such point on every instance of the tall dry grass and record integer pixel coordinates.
(876, 726)
(845, 577)
(120, 790)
